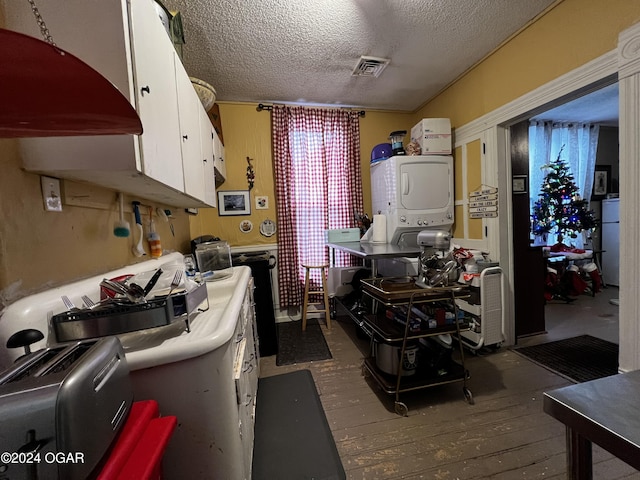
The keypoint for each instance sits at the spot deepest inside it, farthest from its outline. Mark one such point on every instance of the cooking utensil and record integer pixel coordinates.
(441, 277)
(88, 302)
(138, 249)
(177, 278)
(133, 292)
(152, 282)
(121, 226)
(68, 303)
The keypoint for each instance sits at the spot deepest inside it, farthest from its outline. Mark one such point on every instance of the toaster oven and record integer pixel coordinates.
(61, 408)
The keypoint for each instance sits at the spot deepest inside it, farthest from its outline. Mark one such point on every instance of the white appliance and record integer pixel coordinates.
(611, 241)
(414, 193)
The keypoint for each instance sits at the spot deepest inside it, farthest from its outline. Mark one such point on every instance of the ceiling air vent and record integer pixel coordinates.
(370, 66)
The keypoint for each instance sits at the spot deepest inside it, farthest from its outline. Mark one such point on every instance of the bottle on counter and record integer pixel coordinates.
(155, 246)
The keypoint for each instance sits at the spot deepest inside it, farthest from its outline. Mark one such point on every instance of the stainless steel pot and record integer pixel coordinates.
(388, 356)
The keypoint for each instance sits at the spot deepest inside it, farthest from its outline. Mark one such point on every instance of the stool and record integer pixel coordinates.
(308, 292)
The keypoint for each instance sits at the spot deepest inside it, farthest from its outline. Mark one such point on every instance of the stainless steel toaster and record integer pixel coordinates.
(61, 408)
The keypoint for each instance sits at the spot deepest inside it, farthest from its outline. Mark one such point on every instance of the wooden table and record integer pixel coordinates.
(604, 411)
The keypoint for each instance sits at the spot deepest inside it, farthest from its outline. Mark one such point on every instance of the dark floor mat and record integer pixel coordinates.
(292, 436)
(580, 359)
(296, 346)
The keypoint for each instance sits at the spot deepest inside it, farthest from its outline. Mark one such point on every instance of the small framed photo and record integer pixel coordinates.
(234, 202)
(262, 202)
(520, 183)
(601, 181)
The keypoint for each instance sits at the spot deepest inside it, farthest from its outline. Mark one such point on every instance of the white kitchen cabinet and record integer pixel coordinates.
(207, 134)
(219, 163)
(125, 41)
(191, 136)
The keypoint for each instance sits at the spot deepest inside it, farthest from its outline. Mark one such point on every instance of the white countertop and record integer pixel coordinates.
(209, 329)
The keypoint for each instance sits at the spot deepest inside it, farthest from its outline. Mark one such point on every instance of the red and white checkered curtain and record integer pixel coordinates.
(316, 156)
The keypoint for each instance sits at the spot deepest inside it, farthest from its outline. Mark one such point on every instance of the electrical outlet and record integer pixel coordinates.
(51, 194)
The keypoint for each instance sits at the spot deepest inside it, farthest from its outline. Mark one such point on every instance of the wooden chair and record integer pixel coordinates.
(308, 292)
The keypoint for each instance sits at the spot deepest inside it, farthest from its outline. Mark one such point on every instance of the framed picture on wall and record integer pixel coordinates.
(601, 182)
(234, 202)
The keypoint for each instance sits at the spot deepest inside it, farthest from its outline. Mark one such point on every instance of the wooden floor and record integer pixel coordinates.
(504, 435)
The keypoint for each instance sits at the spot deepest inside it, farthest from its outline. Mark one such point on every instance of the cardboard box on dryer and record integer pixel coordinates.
(433, 135)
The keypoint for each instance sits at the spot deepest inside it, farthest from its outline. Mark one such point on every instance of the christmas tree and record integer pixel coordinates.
(559, 208)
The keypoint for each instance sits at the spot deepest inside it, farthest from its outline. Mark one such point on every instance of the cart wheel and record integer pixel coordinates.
(467, 395)
(401, 409)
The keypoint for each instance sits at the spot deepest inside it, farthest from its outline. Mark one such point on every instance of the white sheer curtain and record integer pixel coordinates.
(580, 143)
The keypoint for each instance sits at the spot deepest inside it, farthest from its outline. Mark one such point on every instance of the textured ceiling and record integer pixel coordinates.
(293, 51)
(599, 107)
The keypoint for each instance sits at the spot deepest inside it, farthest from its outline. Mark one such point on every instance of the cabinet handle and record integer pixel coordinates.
(248, 367)
(249, 398)
(204, 160)
(144, 90)
(185, 137)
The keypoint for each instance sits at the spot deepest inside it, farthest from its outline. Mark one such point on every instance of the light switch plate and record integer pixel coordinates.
(51, 194)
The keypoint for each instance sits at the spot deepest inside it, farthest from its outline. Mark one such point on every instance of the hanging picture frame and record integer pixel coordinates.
(519, 183)
(234, 202)
(601, 182)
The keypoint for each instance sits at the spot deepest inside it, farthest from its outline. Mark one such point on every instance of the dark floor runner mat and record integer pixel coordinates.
(580, 359)
(296, 346)
(292, 436)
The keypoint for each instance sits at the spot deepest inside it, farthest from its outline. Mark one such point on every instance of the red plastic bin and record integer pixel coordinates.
(137, 453)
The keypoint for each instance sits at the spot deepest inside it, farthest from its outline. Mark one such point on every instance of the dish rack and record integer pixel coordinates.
(117, 319)
(403, 291)
(486, 322)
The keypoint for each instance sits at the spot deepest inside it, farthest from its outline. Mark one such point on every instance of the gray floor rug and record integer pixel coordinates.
(296, 346)
(292, 436)
(579, 359)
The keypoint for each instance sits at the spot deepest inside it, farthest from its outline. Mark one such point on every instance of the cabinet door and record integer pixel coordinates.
(220, 166)
(156, 96)
(207, 134)
(190, 141)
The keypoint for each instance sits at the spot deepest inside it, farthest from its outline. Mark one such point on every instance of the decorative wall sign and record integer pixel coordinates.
(262, 202)
(483, 202)
(268, 228)
(246, 226)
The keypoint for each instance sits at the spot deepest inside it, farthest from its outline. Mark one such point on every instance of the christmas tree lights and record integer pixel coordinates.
(559, 209)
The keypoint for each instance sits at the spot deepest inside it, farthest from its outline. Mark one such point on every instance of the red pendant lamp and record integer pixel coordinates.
(47, 92)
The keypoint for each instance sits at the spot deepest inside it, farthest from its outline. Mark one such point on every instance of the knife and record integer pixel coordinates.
(152, 281)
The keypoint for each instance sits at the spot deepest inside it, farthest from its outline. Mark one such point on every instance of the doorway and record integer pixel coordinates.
(537, 320)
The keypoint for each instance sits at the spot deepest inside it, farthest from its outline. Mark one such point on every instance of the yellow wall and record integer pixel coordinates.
(247, 133)
(566, 37)
(39, 250)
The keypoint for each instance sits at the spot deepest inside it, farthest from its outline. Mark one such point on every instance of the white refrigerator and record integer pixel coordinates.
(611, 241)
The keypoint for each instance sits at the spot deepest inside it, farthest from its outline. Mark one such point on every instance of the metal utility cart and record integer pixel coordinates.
(486, 326)
(402, 291)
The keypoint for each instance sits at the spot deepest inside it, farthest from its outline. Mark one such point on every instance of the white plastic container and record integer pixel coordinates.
(213, 257)
(433, 135)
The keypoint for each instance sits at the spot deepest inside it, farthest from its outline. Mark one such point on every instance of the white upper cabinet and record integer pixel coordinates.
(154, 59)
(206, 141)
(190, 107)
(219, 163)
(126, 42)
